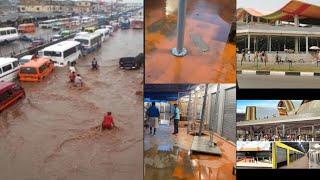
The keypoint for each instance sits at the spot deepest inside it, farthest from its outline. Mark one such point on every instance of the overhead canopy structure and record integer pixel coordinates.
(306, 12)
(165, 92)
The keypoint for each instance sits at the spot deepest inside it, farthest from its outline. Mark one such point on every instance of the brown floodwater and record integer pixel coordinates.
(211, 54)
(50, 134)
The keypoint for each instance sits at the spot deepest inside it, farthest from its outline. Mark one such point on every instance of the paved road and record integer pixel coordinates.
(266, 82)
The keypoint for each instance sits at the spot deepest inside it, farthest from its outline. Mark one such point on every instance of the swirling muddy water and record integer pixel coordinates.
(50, 134)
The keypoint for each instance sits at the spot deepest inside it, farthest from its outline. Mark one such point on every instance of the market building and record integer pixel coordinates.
(294, 28)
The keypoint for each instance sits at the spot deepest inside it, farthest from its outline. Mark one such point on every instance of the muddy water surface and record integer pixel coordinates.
(51, 134)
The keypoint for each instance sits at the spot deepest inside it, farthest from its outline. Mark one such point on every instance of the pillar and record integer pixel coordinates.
(283, 130)
(269, 41)
(247, 18)
(296, 44)
(251, 18)
(296, 20)
(255, 44)
(249, 42)
(313, 132)
(307, 44)
(258, 20)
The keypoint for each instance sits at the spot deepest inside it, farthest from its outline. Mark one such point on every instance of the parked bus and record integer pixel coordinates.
(89, 42)
(8, 34)
(10, 93)
(36, 69)
(104, 33)
(27, 28)
(9, 68)
(62, 53)
(47, 23)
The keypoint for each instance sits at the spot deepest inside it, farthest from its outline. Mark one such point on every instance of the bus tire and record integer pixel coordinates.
(6, 42)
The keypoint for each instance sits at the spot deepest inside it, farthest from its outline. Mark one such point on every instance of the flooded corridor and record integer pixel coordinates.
(167, 157)
(51, 134)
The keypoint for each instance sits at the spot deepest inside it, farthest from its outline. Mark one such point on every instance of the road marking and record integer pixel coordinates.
(307, 74)
(278, 73)
(248, 72)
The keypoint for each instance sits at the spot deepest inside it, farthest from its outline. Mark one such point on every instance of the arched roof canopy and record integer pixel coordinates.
(306, 12)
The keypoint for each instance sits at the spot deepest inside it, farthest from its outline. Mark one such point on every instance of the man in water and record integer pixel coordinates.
(153, 116)
(108, 122)
(94, 64)
(72, 76)
(176, 119)
(78, 81)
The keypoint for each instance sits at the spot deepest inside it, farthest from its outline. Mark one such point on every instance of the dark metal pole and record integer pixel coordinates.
(203, 109)
(180, 50)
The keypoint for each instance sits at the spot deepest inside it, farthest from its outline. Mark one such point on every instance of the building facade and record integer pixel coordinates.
(291, 31)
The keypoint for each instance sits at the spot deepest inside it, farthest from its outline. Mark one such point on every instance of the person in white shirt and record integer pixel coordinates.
(176, 119)
(78, 81)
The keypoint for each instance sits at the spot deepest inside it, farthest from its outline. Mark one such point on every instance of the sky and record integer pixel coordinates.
(268, 106)
(269, 5)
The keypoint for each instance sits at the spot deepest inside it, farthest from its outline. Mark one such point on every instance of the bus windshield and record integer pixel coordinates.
(28, 70)
(82, 41)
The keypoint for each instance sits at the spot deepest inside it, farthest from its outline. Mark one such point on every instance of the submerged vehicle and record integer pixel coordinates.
(10, 93)
(132, 62)
(36, 69)
(9, 68)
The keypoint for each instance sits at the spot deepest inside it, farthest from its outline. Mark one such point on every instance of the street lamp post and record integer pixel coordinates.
(180, 50)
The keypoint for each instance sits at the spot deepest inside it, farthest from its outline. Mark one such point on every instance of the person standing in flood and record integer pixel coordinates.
(78, 81)
(176, 119)
(108, 122)
(153, 115)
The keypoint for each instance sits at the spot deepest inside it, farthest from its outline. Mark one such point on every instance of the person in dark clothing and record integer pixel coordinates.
(153, 115)
(176, 119)
(94, 64)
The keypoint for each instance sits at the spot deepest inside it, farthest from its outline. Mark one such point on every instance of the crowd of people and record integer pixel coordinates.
(258, 56)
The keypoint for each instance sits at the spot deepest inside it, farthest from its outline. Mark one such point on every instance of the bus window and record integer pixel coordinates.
(52, 53)
(28, 70)
(15, 64)
(3, 33)
(13, 31)
(7, 68)
(0, 71)
(69, 52)
(8, 32)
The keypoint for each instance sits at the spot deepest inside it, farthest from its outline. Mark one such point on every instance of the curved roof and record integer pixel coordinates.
(294, 7)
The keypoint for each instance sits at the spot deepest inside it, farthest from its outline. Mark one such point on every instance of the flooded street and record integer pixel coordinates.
(51, 135)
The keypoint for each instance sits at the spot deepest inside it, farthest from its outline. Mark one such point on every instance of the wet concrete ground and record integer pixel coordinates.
(208, 24)
(50, 135)
(172, 152)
